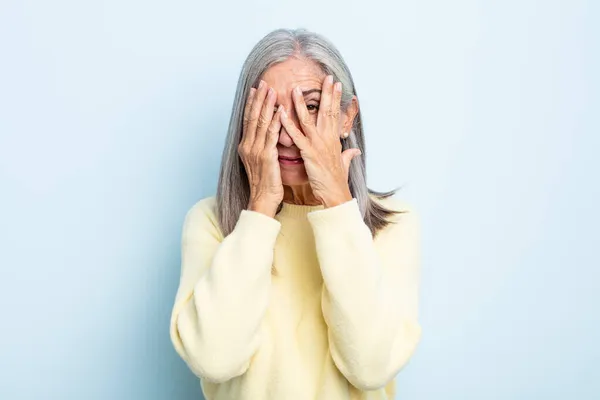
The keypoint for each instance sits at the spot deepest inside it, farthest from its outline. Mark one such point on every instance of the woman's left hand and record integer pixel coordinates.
(320, 147)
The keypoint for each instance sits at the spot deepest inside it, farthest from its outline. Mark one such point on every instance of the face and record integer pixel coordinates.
(284, 77)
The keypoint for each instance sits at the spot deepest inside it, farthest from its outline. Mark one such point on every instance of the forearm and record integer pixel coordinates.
(370, 339)
(216, 325)
(369, 298)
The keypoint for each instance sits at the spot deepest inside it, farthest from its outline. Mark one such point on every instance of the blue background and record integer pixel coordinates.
(112, 121)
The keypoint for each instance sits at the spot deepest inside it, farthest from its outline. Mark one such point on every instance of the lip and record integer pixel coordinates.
(290, 160)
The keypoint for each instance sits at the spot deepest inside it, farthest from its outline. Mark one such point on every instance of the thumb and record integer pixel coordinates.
(348, 155)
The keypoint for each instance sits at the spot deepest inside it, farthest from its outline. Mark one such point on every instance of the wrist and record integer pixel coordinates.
(268, 208)
(336, 200)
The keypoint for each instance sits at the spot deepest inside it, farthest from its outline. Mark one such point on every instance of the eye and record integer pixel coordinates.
(312, 107)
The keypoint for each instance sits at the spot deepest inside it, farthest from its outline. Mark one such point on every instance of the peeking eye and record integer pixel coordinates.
(312, 107)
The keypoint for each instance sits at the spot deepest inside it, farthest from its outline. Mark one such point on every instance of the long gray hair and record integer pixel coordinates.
(233, 192)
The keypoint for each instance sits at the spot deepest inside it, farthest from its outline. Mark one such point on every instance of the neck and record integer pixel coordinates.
(299, 194)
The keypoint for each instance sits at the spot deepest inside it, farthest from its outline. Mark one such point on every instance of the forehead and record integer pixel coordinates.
(293, 72)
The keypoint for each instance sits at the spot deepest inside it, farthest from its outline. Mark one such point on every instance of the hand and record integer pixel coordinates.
(320, 147)
(258, 150)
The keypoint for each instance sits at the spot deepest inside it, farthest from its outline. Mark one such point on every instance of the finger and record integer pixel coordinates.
(299, 139)
(264, 119)
(348, 155)
(302, 112)
(274, 129)
(247, 108)
(325, 103)
(336, 106)
(257, 104)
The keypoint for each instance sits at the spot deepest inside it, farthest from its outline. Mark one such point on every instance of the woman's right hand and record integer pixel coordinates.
(258, 150)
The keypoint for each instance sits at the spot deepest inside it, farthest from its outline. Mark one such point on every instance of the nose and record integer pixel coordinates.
(284, 138)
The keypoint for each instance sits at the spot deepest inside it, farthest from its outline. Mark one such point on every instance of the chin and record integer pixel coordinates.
(294, 178)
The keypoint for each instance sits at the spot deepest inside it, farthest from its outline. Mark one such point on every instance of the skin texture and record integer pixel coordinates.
(295, 112)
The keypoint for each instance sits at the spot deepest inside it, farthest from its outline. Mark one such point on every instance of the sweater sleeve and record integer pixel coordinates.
(223, 292)
(370, 292)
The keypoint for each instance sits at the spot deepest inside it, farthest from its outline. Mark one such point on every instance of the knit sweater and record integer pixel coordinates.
(306, 305)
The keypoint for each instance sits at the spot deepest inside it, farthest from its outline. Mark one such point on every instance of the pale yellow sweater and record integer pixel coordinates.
(304, 306)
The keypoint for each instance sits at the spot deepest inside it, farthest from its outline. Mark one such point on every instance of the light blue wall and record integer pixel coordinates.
(112, 120)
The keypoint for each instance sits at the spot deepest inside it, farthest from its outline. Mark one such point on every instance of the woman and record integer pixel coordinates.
(297, 281)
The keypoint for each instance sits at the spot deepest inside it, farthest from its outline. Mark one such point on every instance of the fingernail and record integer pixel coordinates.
(270, 92)
(261, 84)
(338, 86)
(283, 113)
(297, 90)
(330, 79)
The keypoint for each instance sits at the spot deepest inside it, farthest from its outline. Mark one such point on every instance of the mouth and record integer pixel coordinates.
(290, 160)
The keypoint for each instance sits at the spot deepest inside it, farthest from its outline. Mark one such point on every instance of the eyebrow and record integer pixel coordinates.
(307, 92)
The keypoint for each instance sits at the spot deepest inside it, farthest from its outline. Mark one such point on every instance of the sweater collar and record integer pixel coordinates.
(297, 210)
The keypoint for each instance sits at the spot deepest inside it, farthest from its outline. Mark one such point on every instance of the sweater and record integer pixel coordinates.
(306, 305)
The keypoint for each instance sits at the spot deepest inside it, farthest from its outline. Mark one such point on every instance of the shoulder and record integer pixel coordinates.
(394, 203)
(404, 220)
(205, 207)
(203, 215)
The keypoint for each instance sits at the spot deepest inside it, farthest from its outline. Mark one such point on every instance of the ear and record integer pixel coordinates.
(349, 115)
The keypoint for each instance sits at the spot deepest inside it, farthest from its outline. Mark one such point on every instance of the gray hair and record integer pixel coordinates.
(233, 191)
